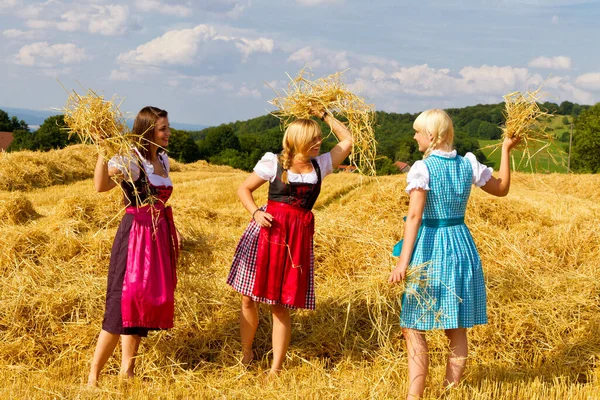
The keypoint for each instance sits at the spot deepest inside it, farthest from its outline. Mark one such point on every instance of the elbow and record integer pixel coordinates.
(415, 218)
(242, 190)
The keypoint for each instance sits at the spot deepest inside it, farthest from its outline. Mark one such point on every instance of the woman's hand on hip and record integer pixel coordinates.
(263, 218)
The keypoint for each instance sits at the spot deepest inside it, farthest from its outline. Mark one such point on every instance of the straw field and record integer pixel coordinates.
(540, 247)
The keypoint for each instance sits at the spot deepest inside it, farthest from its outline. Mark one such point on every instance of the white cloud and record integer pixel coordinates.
(6, 4)
(42, 54)
(185, 47)
(163, 8)
(559, 62)
(566, 90)
(19, 34)
(492, 79)
(236, 11)
(109, 20)
(118, 75)
(320, 58)
(245, 91)
(589, 81)
(177, 47)
(303, 56)
(555, 19)
(248, 46)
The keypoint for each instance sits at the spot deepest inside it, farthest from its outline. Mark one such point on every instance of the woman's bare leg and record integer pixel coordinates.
(457, 358)
(104, 348)
(418, 362)
(130, 345)
(282, 334)
(248, 326)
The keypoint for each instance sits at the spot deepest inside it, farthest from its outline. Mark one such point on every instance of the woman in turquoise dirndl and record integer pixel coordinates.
(438, 245)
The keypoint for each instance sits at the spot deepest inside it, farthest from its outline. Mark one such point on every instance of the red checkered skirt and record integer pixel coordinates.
(276, 265)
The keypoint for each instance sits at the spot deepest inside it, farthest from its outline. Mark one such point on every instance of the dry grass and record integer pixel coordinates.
(525, 120)
(540, 249)
(99, 122)
(331, 94)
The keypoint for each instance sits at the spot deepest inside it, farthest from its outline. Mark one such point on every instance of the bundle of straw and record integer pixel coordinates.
(331, 94)
(522, 120)
(99, 122)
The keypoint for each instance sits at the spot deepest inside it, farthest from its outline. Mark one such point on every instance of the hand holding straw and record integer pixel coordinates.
(330, 94)
(99, 122)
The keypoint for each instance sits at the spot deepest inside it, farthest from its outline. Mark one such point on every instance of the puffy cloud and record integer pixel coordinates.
(320, 58)
(589, 81)
(559, 62)
(491, 79)
(248, 46)
(177, 47)
(163, 8)
(186, 46)
(42, 54)
(566, 90)
(108, 20)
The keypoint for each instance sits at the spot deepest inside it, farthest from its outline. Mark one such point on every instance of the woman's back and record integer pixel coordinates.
(450, 180)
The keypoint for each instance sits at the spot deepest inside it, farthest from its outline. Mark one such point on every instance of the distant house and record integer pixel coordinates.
(402, 166)
(346, 168)
(6, 139)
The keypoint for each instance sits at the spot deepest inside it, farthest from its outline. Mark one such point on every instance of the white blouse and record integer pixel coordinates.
(418, 176)
(130, 168)
(266, 168)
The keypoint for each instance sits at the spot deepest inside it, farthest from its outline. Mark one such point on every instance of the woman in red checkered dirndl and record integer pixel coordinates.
(274, 260)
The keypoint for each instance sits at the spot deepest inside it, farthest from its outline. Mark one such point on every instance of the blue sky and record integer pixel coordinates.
(207, 61)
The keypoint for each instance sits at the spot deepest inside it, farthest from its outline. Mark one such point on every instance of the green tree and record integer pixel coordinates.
(565, 120)
(53, 134)
(182, 147)
(218, 139)
(488, 130)
(385, 166)
(586, 141)
(22, 140)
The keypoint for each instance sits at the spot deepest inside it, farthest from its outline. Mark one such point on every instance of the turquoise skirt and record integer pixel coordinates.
(446, 289)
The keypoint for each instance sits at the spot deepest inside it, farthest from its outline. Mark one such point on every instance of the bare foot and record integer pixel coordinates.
(92, 382)
(247, 357)
(127, 375)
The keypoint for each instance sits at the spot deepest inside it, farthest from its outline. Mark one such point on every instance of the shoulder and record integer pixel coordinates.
(266, 167)
(417, 177)
(325, 164)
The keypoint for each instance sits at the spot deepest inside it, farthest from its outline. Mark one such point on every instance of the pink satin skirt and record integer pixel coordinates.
(150, 276)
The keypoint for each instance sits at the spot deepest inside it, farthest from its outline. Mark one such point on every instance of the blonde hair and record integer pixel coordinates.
(299, 137)
(438, 125)
(144, 126)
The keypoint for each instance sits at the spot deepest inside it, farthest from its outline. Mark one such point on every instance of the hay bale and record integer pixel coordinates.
(16, 208)
(27, 170)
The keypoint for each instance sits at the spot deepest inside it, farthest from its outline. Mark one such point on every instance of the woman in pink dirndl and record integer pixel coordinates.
(273, 262)
(141, 275)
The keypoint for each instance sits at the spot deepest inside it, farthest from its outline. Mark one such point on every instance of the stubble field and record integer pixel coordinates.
(540, 248)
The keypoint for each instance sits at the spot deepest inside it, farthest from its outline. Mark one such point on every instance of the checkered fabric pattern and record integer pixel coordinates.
(243, 269)
(451, 291)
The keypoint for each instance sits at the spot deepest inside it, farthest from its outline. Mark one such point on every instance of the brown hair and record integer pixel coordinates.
(144, 126)
(299, 137)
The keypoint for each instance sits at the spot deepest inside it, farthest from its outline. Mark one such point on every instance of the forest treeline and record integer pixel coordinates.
(240, 144)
